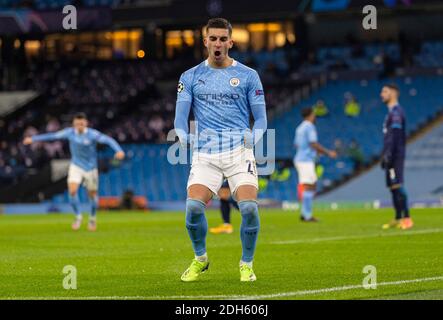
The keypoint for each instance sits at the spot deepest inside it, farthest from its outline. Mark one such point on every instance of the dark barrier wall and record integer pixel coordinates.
(25, 190)
(416, 25)
(197, 12)
(336, 5)
(21, 21)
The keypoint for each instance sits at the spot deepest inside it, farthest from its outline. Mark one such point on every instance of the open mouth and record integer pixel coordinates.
(217, 53)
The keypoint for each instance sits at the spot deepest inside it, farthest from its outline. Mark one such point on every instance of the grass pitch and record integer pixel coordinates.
(142, 255)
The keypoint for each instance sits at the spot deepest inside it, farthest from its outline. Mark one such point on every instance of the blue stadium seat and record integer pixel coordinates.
(149, 174)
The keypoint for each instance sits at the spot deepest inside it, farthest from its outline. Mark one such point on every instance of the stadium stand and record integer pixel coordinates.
(112, 93)
(423, 174)
(421, 99)
(44, 5)
(56, 4)
(354, 56)
(106, 91)
(431, 54)
(103, 89)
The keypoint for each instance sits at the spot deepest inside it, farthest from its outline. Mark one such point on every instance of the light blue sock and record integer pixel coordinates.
(306, 207)
(94, 206)
(75, 203)
(197, 225)
(250, 226)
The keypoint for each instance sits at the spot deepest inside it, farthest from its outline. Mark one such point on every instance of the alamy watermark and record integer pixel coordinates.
(370, 280)
(70, 279)
(370, 20)
(70, 18)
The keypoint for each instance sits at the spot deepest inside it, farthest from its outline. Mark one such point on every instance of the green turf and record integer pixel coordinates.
(142, 255)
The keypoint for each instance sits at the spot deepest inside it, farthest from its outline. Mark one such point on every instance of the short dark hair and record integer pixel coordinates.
(80, 115)
(392, 86)
(306, 112)
(219, 23)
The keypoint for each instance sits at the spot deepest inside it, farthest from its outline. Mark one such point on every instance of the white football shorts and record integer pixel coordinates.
(306, 172)
(237, 166)
(88, 178)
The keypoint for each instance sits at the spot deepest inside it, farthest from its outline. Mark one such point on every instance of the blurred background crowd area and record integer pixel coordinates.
(123, 72)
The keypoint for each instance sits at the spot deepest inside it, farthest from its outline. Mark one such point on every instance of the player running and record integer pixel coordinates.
(83, 168)
(307, 145)
(393, 156)
(223, 93)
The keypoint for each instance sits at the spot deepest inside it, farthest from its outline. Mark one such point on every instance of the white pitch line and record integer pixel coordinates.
(375, 235)
(344, 288)
(235, 297)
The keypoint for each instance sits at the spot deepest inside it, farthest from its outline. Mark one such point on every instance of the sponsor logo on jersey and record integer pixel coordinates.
(219, 98)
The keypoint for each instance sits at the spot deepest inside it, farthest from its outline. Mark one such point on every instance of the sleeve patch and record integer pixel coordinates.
(180, 87)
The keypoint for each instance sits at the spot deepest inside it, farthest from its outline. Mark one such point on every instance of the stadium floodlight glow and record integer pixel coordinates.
(140, 54)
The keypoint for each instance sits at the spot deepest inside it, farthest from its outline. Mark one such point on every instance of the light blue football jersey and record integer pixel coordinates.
(305, 134)
(221, 103)
(83, 147)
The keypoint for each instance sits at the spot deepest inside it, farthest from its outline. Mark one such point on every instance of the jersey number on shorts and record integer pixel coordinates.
(251, 167)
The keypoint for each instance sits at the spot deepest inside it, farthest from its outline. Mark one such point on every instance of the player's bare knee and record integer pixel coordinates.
(309, 187)
(72, 188)
(92, 194)
(246, 192)
(224, 193)
(199, 192)
(395, 186)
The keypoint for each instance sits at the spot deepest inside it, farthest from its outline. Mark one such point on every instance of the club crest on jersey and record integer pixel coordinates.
(86, 142)
(234, 82)
(180, 87)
